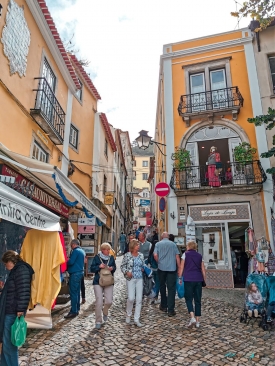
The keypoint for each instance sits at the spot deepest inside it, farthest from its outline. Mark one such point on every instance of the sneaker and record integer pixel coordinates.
(197, 324)
(98, 326)
(269, 320)
(249, 313)
(256, 314)
(105, 317)
(128, 319)
(138, 324)
(157, 301)
(192, 323)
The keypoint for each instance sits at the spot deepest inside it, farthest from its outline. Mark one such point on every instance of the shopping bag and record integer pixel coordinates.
(180, 287)
(19, 331)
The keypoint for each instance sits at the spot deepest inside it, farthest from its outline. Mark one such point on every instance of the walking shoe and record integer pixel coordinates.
(138, 324)
(98, 326)
(163, 309)
(128, 319)
(192, 323)
(105, 317)
(256, 314)
(269, 320)
(249, 313)
(171, 313)
(155, 302)
(197, 324)
(70, 315)
(83, 301)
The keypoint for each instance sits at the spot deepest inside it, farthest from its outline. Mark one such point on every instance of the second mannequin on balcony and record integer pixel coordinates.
(214, 167)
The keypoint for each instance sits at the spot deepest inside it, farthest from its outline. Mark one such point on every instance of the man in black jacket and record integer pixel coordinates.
(14, 302)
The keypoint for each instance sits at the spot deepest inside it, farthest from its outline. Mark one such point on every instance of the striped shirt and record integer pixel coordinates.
(166, 251)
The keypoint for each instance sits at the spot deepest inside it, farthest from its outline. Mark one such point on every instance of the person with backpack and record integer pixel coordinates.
(132, 268)
(154, 267)
(104, 267)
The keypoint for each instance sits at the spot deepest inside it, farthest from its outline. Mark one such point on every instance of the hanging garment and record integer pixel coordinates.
(43, 251)
(63, 267)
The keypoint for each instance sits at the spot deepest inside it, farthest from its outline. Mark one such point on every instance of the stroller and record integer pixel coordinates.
(253, 310)
(270, 304)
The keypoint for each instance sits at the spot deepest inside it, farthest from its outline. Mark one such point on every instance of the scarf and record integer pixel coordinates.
(104, 257)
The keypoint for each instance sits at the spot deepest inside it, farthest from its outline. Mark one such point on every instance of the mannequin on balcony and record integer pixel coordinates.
(214, 166)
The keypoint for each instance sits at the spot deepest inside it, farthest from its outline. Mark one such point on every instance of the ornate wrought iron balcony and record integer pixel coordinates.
(48, 113)
(232, 174)
(210, 103)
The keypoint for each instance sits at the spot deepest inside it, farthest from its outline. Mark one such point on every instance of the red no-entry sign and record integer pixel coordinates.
(162, 189)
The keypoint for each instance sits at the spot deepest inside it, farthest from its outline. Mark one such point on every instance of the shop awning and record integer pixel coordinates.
(48, 176)
(16, 208)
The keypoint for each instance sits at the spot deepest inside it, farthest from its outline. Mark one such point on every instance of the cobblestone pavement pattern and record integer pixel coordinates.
(162, 341)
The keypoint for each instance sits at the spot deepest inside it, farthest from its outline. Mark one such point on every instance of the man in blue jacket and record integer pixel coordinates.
(76, 270)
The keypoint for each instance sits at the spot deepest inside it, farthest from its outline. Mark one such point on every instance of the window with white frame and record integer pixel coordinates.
(144, 163)
(74, 136)
(79, 92)
(38, 153)
(144, 176)
(272, 70)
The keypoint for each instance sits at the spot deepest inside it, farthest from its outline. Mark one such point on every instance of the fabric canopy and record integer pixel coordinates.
(16, 208)
(48, 175)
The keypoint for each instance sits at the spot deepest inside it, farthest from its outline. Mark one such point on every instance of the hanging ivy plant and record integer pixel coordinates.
(244, 152)
(182, 159)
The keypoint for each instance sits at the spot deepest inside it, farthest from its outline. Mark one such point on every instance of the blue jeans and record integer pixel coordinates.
(9, 355)
(75, 285)
(156, 279)
(122, 246)
(193, 292)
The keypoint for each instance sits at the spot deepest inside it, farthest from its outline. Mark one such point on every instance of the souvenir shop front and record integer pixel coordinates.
(221, 231)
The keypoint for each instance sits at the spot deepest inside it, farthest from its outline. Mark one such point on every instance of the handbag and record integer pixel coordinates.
(105, 276)
(203, 283)
(19, 332)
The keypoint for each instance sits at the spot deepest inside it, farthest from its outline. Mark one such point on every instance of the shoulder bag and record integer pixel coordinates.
(105, 276)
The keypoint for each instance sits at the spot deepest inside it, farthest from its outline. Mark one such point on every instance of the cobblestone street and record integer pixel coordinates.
(162, 341)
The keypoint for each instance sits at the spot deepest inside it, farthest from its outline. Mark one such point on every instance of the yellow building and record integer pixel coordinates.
(48, 106)
(141, 166)
(204, 101)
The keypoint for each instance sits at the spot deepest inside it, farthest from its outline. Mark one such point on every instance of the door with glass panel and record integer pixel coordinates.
(193, 173)
(47, 93)
(198, 95)
(218, 88)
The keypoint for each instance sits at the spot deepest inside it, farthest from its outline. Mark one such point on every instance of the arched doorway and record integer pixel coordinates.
(223, 137)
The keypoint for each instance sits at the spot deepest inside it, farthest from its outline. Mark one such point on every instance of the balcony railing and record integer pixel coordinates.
(225, 98)
(230, 174)
(48, 112)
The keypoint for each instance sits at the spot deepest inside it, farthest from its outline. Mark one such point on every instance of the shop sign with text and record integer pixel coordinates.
(226, 212)
(38, 194)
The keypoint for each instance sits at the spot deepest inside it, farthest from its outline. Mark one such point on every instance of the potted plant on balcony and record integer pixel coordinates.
(182, 165)
(243, 155)
(182, 159)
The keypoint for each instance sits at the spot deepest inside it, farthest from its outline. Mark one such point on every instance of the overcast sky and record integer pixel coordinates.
(123, 41)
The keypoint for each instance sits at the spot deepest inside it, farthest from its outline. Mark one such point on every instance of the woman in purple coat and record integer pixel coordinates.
(193, 271)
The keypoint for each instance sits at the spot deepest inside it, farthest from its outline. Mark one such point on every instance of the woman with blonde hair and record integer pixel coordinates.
(102, 261)
(193, 270)
(14, 302)
(132, 268)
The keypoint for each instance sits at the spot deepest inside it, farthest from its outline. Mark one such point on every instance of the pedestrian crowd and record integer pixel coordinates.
(140, 253)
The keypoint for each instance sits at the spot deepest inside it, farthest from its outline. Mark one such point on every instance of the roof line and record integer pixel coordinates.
(58, 41)
(108, 131)
(85, 76)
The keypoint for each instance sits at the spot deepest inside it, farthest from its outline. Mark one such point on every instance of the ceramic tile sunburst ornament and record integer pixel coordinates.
(16, 38)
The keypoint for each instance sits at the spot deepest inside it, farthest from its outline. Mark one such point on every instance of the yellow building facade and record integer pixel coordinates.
(48, 106)
(204, 100)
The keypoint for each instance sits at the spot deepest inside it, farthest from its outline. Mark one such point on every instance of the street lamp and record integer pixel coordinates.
(143, 141)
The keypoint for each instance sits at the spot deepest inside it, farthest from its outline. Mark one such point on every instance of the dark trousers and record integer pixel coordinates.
(193, 291)
(82, 288)
(75, 285)
(167, 279)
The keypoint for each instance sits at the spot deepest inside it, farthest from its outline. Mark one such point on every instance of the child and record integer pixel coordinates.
(253, 300)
